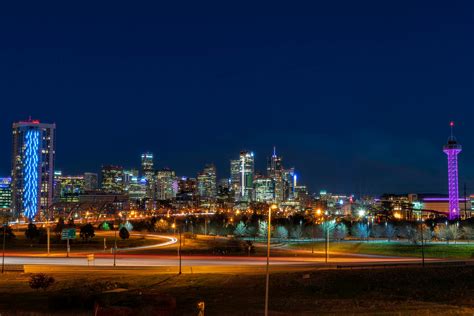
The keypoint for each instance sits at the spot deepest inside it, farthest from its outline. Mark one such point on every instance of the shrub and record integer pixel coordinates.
(123, 233)
(41, 281)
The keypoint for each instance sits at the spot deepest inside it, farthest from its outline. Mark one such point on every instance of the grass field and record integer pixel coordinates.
(411, 291)
(21, 243)
(403, 249)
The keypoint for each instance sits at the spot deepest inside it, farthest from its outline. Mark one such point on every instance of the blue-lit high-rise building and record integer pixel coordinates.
(32, 167)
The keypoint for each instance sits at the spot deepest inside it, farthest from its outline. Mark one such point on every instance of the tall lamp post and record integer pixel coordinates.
(272, 207)
(4, 239)
(115, 241)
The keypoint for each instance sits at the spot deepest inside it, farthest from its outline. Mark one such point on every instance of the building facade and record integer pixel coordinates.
(112, 179)
(206, 181)
(5, 194)
(148, 173)
(166, 184)
(33, 157)
(91, 181)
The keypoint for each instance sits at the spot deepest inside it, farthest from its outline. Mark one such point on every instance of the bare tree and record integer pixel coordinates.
(361, 231)
(296, 232)
(468, 233)
(340, 232)
(390, 232)
(281, 232)
(240, 230)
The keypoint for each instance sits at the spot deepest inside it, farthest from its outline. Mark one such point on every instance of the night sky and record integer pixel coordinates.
(356, 95)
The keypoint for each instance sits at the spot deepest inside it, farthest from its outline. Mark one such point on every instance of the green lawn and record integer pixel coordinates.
(407, 291)
(21, 243)
(432, 250)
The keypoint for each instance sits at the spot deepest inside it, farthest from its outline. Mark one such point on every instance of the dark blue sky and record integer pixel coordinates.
(356, 95)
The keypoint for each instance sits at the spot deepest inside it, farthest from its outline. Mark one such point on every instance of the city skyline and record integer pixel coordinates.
(341, 99)
(224, 172)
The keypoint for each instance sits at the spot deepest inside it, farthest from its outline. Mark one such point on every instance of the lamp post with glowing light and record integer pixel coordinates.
(272, 207)
(318, 213)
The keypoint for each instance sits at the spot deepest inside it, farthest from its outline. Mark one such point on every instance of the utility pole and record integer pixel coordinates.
(115, 246)
(465, 201)
(422, 246)
(48, 233)
(179, 251)
(68, 247)
(327, 242)
(3, 255)
(267, 281)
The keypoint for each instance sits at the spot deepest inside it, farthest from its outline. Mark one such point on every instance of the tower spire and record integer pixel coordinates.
(452, 150)
(274, 151)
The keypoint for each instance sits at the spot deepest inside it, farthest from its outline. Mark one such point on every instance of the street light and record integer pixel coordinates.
(272, 207)
(3, 255)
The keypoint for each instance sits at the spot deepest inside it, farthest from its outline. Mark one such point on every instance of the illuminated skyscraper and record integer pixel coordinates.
(112, 179)
(149, 174)
(452, 149)
(275, 172)
(70, 188)
(166, 184)
(91, 181)
(235, 178)
(289, 184)
(32, 167)
(241, 176)
(264, 189)
(207, 187)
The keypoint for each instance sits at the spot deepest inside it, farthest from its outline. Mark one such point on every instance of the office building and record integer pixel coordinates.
(148, 172)
(112, 179)
(264, 189)
(206, 181)
(91, 181)
(5, 194)
(275, 172)
(166, 184)
(32, 167)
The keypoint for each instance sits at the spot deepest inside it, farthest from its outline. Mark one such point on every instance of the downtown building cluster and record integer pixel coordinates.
(36, 186)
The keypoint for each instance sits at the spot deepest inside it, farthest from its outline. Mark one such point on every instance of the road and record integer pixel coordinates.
(200, 261)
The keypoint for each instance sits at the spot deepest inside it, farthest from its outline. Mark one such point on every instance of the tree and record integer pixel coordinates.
(390, 232)
(123, 233)
(426, 233)
(468, 233)
(8, 231)
(378, 231)
(161, 226)
(263, 229)
(87, 232)
(360, 230)
(296, 232)
(104, 226)
(240, 230)
(411, 234)
(31, 232)
(281, 232)
(448, 233)
(327, 227)
(454, 232)
(340, 231)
